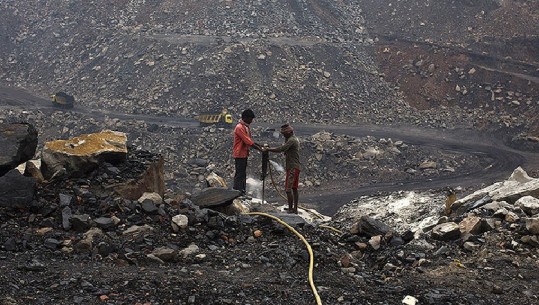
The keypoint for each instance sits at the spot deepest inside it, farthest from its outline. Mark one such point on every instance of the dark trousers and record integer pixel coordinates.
(240, 177)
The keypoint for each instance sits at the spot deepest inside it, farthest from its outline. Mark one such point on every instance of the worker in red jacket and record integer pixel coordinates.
(242, 143)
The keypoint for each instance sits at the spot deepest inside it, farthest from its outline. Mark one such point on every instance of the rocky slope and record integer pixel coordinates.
(324, 61)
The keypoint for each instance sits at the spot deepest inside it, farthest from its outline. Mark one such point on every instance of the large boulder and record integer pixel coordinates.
(18, 144)
(77, 156)
(368, 226)
(16, 190)
(152, 180)
(214, 197)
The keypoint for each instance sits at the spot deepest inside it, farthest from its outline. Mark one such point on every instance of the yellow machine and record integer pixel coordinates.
(221, 119)
(62, 100)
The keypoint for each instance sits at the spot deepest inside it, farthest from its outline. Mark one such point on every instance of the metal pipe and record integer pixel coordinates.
(265, 162)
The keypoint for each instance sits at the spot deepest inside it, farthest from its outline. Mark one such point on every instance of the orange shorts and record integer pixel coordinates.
(292, 179)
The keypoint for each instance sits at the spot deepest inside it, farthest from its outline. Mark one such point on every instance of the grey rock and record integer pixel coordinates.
(33, 265)
(532, 225)
(199, 162)
(105, 222)
(375, 242)
(66, 218)
(179, 222)
(446, 231)
(136, 230)
(149, 206)
(154, 197)
(105, 249)
(471, 246)
(488, 224)
(10, 244)
(52, 243)
(212, 197)
(81, 222)
(532, 240)
(471, 224)
(517, 186)
(65, 200)
(293, 220)
(166, 254)
(529, 204)
(190, 250)
(396, 241)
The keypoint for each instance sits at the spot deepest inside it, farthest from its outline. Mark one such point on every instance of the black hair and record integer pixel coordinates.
(247, 113)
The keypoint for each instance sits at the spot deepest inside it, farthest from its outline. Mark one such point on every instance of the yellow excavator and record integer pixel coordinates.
(223, 119)
(62, 100)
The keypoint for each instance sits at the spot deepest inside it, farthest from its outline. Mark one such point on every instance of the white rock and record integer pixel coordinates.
(409, 300)
(156, 198)
(529, 204)
(191, 249)
(375, 242)
(179, 222)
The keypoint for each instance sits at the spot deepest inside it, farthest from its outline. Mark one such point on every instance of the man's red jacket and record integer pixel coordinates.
(242, 140)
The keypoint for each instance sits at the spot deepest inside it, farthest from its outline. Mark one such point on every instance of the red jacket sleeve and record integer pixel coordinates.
(244, 136)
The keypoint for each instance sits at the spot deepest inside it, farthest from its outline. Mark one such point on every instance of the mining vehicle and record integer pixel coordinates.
(222, 118)
(63, 100)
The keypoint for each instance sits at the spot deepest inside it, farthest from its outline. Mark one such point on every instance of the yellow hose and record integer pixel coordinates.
(309, 249)
(331, 228)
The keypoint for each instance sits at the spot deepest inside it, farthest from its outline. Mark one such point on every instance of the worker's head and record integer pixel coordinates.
(287, 131)
(247, 116)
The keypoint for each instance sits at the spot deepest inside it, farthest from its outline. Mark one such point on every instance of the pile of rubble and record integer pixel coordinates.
(103, 204)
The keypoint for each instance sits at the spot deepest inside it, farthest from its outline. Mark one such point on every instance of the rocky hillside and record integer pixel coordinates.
(440, 65)
(128, 226)
(181, 58)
